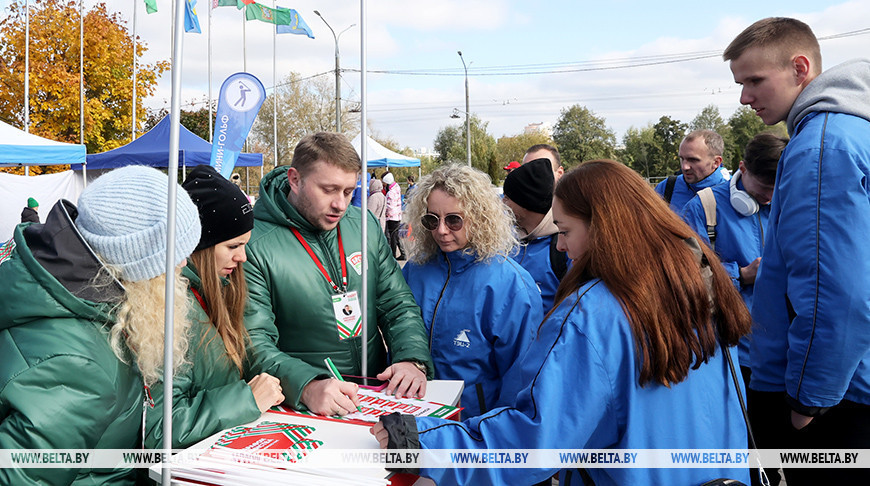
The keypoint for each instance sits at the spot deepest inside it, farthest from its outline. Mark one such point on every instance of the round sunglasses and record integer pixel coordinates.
(431, 221)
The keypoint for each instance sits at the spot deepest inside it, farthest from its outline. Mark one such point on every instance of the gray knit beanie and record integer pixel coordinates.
(122, 215)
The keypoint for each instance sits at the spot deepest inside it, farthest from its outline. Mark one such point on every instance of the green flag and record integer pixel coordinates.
(151, 6)
(270, 15)
(227, 3)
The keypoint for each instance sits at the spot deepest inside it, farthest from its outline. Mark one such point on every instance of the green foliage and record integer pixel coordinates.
(450, 145)
(639, 149)
(513, 148)
(580, 135)
(667, 134)
(710, 119)
(743, 125)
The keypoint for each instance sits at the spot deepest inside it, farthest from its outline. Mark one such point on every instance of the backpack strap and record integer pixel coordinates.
(708, 200)
(558, 260)
(669, 188)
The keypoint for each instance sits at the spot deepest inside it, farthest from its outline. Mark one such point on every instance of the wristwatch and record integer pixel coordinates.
(420, 366)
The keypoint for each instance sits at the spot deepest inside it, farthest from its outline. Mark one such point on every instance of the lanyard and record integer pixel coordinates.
(320, 265)
(199, 299)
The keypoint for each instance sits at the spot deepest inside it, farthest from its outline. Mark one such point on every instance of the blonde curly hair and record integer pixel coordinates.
(489, 224)
(139, 327)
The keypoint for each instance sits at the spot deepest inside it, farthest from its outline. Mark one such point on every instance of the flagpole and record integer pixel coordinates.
(82, 69)
(244, 40)
(210, 127)
(27, 68)
(274, 93)
(135, 68)
(168, 327)
(364, 188)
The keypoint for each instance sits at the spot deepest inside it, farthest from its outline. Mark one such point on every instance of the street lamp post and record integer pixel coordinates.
(467, 113)
(337, 72)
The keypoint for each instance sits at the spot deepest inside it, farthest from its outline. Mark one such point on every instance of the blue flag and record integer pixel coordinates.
(296, 24)
(191, 22)
(241, 96)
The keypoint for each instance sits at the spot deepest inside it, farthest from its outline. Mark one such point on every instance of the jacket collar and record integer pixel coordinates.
(59, 247)
(545, 228)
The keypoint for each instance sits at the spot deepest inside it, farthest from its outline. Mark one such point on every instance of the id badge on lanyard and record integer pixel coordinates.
(345, 305)
(348, 316)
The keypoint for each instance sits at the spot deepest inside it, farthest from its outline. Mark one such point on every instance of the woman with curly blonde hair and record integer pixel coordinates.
(479, 306)
(81, 325)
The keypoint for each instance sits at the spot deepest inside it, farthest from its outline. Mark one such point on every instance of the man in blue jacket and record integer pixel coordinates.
(700, 159)
(528, 192)
(811, 344)
(742, 209)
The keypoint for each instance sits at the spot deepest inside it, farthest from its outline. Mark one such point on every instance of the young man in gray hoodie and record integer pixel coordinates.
(810, 385)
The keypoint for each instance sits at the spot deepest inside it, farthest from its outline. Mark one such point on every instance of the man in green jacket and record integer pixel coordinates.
(305, 267)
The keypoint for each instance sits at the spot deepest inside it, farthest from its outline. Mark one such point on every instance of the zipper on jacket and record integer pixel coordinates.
(438, 302)
(761, 228)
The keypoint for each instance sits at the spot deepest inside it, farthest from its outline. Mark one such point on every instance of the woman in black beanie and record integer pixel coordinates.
(211, 394)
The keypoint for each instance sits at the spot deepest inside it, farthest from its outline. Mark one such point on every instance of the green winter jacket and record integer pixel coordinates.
(61, 386)
(290, 316)
(208, 394)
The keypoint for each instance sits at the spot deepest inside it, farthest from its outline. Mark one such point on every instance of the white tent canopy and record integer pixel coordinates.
(19, 148)
(380, 156)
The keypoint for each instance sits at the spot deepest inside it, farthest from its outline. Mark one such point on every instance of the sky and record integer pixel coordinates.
(629, 61)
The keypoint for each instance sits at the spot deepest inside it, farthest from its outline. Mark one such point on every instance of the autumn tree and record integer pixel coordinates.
(581, 135)
(305, 106)
(54, 73)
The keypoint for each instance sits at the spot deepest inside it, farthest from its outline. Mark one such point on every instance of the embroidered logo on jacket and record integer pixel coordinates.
(461, 339)
(355, 260)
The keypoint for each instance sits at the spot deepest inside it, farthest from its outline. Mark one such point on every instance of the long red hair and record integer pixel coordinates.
(638, 248)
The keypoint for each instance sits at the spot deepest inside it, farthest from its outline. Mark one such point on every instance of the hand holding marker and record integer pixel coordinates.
(335, 374)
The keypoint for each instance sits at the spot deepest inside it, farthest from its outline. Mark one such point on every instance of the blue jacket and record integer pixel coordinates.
(683, 191)
(356, 197)
(739, 241)
(534, 256)
(813, 334)
(479, 315)
(581, 391)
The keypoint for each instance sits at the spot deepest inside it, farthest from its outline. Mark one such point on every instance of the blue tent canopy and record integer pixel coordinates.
(380, 156)
(19, 148)
(152, 149)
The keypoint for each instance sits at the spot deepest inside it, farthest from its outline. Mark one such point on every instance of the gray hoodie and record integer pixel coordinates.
(844, 88)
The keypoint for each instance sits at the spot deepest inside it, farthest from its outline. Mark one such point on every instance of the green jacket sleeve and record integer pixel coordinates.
(198, 413)
(264, 355)
(399, 315)
(49, 407)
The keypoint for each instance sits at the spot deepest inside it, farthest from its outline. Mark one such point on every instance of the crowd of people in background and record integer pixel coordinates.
(582, 308)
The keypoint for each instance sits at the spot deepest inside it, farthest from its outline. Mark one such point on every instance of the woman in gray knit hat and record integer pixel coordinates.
(82, 323)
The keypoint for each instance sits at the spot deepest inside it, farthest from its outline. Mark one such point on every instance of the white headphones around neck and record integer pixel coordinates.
(741, 201)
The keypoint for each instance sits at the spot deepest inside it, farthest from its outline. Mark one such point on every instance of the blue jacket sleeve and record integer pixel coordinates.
(537, 419)
(823, 227)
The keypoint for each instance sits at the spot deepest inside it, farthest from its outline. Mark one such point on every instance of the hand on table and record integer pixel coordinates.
(406, 380)
(267, 391)
(330, 397)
